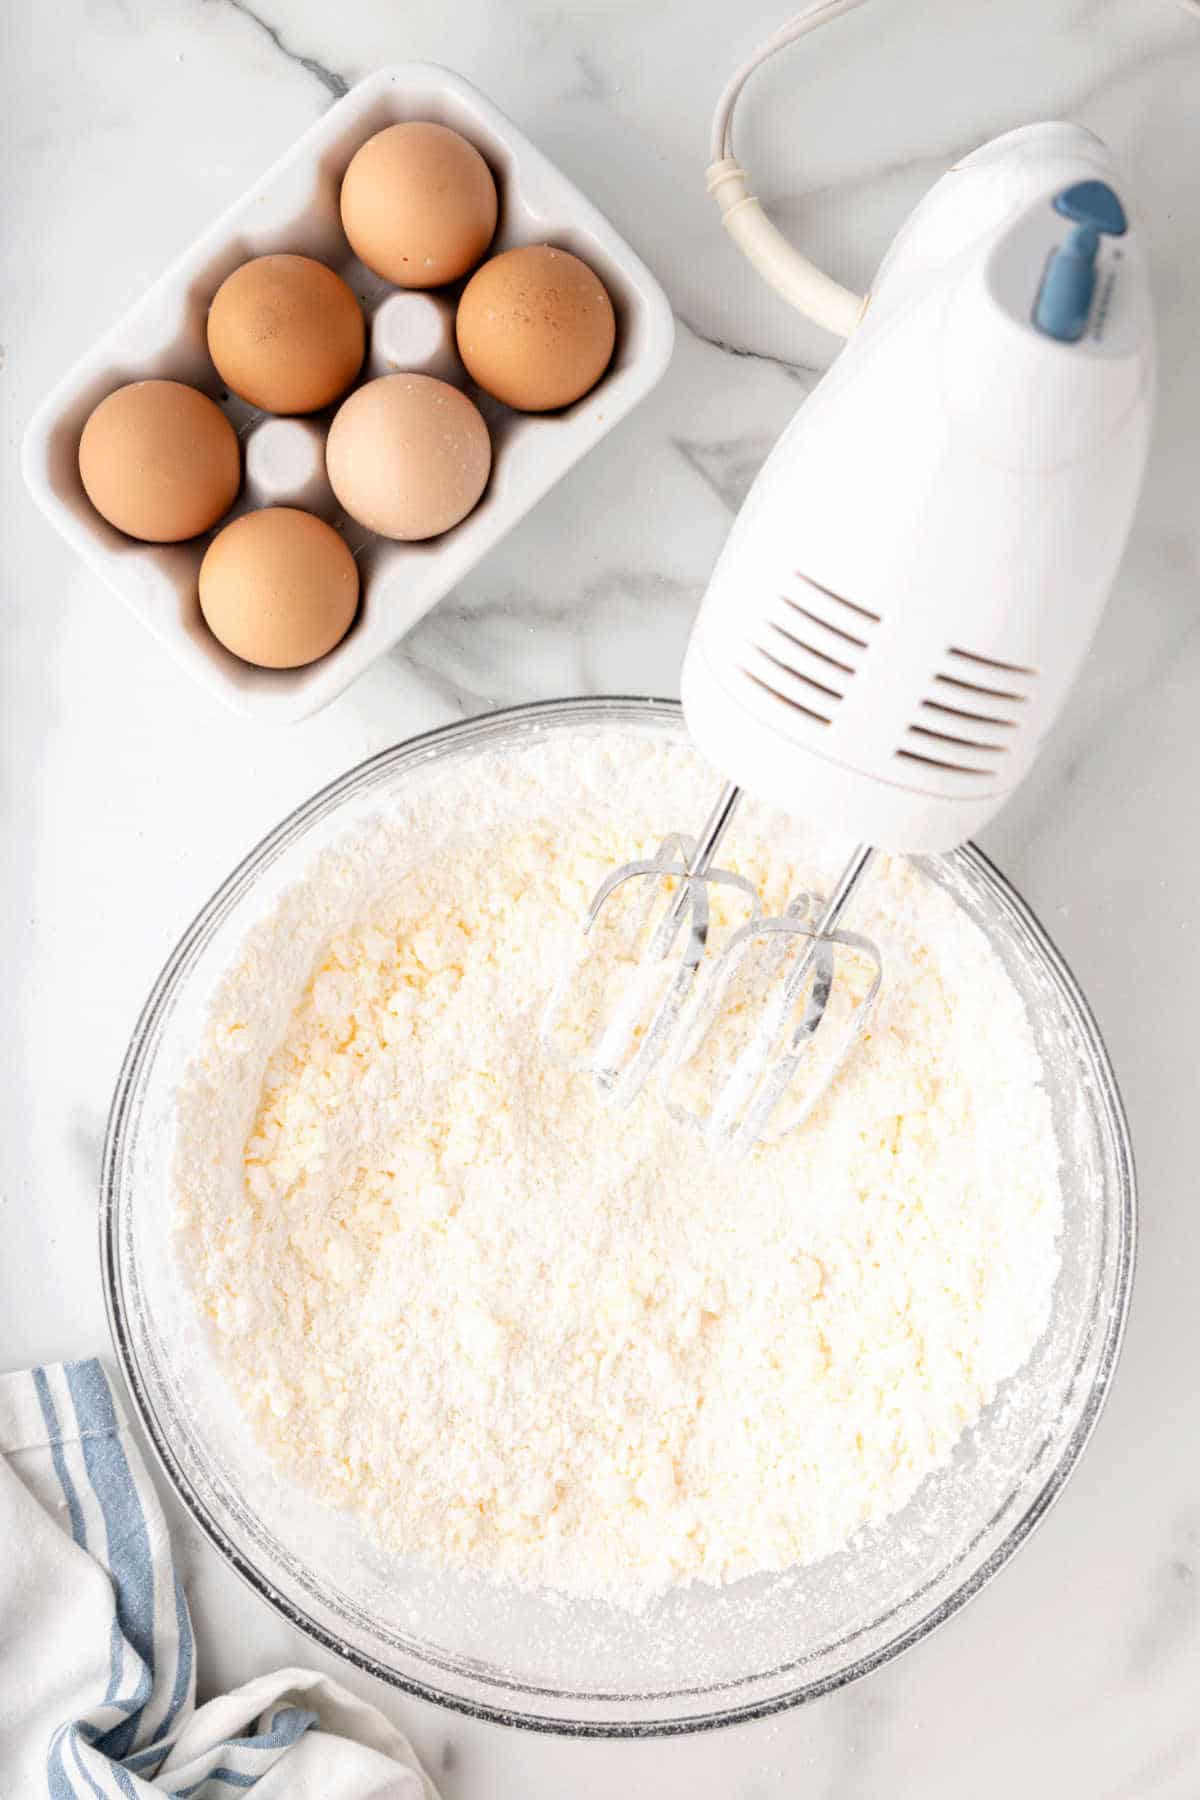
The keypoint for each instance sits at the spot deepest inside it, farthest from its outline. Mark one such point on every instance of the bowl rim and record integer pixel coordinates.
(122, 1114)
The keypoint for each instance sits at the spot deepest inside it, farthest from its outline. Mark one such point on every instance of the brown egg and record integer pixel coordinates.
(286, 334)
(535, 328)
(419, 204)
(160, 461)
(408, 456)
(278, 587)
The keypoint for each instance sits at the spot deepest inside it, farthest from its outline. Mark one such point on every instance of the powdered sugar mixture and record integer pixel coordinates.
(525, 1336)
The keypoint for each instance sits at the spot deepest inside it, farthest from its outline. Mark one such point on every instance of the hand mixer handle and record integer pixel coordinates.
(912, 583)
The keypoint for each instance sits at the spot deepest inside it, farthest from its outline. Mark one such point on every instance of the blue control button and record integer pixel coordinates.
(1093, 203)
(1069, 281)
(1065, 296)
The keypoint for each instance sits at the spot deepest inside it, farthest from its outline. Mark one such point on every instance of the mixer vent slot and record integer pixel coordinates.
(838, 631)
(966, 721)
(965, 715)
(817, 687)
(832, 663)
(937, 762)
(854, 606)
(963, 743)
(950, 745)
(988, 662)
(811, 646)
(982, 688)
(777, 693)
(828, 622)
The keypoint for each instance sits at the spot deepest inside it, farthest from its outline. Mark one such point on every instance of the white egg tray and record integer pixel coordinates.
(295, 207)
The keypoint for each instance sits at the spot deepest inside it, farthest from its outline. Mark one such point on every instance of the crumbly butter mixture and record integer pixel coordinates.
(521, 1335)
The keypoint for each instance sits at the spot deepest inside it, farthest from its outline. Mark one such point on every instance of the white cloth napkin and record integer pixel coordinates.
(97, 1659)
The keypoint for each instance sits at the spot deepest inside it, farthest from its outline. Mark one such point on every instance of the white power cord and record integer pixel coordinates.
(780, 264)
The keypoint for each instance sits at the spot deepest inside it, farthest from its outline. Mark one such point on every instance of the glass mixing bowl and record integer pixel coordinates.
(702, 1656)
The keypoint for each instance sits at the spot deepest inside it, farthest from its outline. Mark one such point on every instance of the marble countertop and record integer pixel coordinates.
(127, 793)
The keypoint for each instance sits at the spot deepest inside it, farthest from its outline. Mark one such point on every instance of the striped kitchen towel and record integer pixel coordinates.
(97, 1658)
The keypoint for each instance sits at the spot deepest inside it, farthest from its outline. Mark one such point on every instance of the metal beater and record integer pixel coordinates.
(668, 1018)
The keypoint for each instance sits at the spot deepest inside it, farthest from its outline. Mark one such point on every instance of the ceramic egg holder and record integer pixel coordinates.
(294, 207)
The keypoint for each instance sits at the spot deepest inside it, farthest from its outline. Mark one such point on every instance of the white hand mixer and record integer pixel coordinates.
(904, 599)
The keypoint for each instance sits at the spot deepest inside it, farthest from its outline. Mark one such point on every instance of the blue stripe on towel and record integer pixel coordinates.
(289, 1725)
(59, 1785)
(50, 1415)
(116, 1660)
(130, 1525)
(183, 1660)
(144, 1762)
(128, 1538)
(81, 1766)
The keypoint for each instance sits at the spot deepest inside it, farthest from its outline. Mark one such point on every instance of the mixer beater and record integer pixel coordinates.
(667, 1011)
